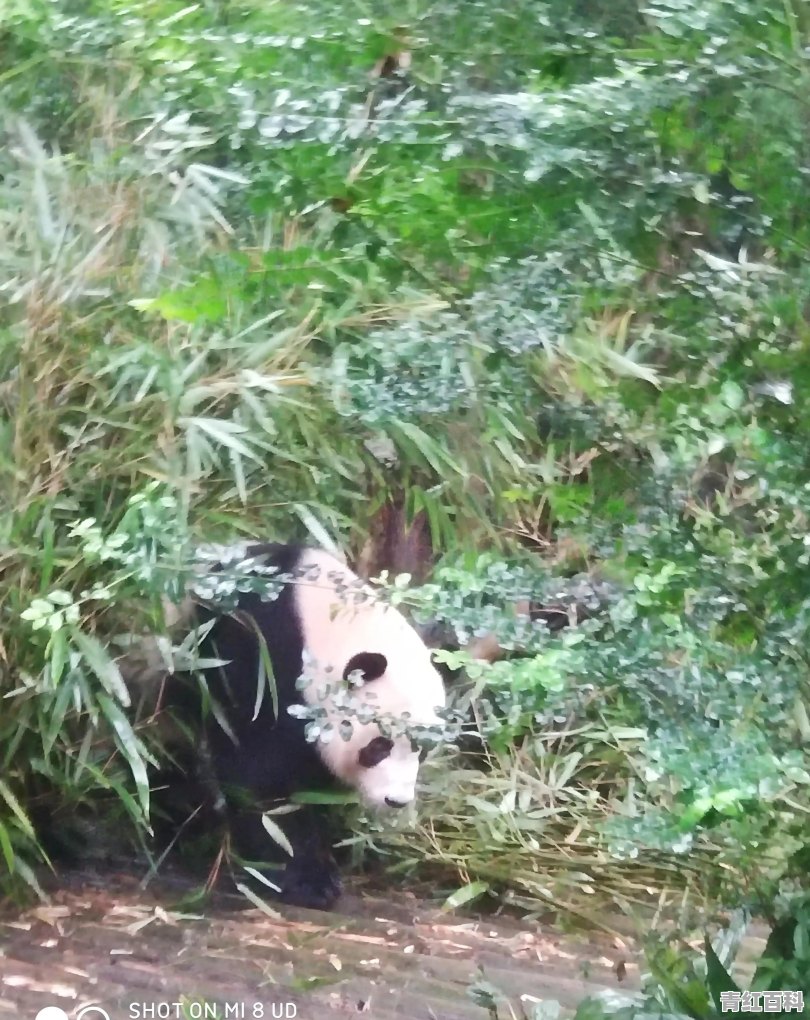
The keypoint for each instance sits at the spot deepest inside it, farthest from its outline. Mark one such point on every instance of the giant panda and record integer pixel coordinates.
(366, 666)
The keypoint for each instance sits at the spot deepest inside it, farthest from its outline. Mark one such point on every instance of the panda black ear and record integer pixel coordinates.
(371, 664)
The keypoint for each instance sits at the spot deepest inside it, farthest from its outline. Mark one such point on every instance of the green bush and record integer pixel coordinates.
(539, 265)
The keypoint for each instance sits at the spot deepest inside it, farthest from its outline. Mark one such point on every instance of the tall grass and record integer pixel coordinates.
(124, 370)
(152, 395)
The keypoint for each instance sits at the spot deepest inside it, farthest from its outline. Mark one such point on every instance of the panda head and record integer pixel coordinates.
(384, 769)
(380, 663)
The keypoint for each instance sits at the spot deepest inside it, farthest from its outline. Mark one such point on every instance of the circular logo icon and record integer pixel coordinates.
(52, 1013)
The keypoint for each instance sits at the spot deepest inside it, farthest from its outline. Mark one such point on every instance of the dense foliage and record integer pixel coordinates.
(540, 265)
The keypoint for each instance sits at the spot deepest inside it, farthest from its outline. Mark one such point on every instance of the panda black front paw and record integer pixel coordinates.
(312, 884)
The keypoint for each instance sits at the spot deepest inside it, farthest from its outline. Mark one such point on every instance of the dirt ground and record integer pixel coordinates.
(103, 944)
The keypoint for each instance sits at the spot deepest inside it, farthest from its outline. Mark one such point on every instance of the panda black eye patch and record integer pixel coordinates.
(375, 751)
(371, 664)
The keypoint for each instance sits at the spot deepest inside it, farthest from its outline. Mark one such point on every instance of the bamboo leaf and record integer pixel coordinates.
(225, 433)
(17, 810)
(467, 893)
(257, 901)
(6, 847)
(102, 666)
(129, 745)
(277, 834)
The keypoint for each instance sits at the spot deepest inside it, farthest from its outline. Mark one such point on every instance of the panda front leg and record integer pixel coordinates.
(310, 877)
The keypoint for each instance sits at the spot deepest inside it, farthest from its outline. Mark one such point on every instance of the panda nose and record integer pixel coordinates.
(395, 803)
